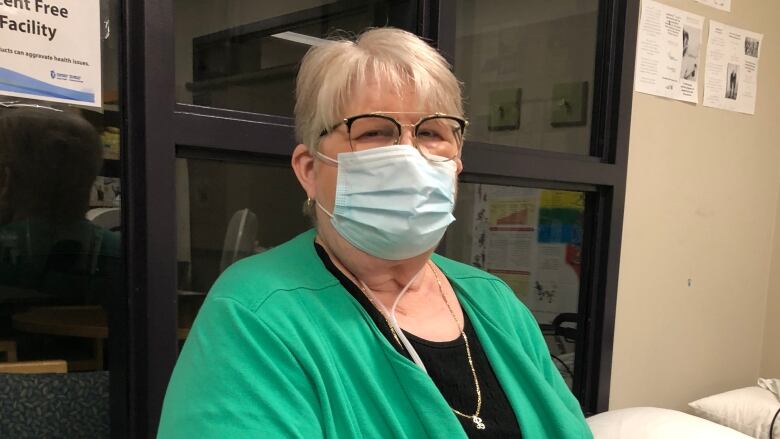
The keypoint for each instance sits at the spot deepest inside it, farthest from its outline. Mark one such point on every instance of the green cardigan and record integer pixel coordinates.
(280, 349)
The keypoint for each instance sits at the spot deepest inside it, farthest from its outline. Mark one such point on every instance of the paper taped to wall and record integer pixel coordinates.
(731, 76)
(667, 54)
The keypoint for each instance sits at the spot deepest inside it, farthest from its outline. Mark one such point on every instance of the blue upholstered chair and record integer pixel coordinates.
(54, 405)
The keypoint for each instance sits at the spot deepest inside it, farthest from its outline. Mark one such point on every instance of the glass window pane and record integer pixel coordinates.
(244, 54)
(228, 211)
(528, 70)
(532, 239)
(60, 247)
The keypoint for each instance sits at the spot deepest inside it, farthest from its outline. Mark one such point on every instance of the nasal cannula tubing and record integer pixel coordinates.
(399, 332)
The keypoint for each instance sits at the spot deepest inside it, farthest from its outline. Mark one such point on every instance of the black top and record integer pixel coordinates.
(448, 367)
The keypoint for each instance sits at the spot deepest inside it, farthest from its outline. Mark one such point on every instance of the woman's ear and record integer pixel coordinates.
(303, 166)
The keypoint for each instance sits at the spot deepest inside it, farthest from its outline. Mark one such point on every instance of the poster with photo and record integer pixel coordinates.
(50, 50)
(668, 52)
(731, 76)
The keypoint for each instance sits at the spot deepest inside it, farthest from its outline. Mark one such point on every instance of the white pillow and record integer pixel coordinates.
(656, 423)
(749, 410)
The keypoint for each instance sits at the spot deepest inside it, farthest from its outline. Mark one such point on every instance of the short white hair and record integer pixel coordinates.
(332, 71)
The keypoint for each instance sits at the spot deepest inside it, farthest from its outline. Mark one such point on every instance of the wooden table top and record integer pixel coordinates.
(71, 321)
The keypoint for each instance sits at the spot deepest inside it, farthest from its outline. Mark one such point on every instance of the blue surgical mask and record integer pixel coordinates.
(391, 202)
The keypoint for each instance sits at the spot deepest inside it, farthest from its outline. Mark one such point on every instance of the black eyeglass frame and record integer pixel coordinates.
(462, 124)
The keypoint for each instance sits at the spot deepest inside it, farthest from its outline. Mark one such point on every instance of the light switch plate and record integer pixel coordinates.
(569, 104)
(504, 109)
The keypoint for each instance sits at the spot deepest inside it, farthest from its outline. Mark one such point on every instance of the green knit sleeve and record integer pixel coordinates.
(236, 378)
(529, 330)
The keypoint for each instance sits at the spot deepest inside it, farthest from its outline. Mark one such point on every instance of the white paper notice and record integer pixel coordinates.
(667, 54)
(51, 51)
(731, 76)
(723, 5)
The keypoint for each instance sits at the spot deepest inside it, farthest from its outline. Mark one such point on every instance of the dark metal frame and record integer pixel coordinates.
(154, 126)
(148, 104)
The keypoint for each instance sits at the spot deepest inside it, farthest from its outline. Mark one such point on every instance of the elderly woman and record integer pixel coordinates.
(355, 328)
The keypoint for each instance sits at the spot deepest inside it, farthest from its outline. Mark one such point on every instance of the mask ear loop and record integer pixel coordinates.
(324, 158)
(399, 332)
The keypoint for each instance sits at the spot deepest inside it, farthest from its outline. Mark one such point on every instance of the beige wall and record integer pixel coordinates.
(770, 363)
(701, 202)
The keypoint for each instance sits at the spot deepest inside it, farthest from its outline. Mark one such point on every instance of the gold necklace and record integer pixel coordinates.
(371, 299)
(475, 417)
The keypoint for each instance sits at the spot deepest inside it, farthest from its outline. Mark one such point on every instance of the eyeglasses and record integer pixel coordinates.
(438, 137)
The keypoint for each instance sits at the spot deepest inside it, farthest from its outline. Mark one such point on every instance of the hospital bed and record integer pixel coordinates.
(750, 412)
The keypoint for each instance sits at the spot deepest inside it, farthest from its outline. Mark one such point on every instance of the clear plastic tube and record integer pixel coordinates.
(393, 321)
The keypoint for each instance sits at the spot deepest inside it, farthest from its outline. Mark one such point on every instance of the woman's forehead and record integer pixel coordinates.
(382, 98)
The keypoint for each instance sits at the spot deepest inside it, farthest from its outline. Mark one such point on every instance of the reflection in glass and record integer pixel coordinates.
(60, 266)
(528, 70)
(50, 161)
(244, 54)
(531, 239)
(228, 211)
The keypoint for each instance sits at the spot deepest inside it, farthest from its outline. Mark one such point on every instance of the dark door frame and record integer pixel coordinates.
(150, 228)
(154, 124)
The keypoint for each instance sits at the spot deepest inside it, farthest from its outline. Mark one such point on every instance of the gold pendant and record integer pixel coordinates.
(478, 422)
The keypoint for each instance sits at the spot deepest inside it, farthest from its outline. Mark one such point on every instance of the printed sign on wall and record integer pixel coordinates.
(50, 50)
(731, 78)
(668, 50)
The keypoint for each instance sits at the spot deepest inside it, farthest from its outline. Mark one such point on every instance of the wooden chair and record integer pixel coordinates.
(30, 367)
(9, 347)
